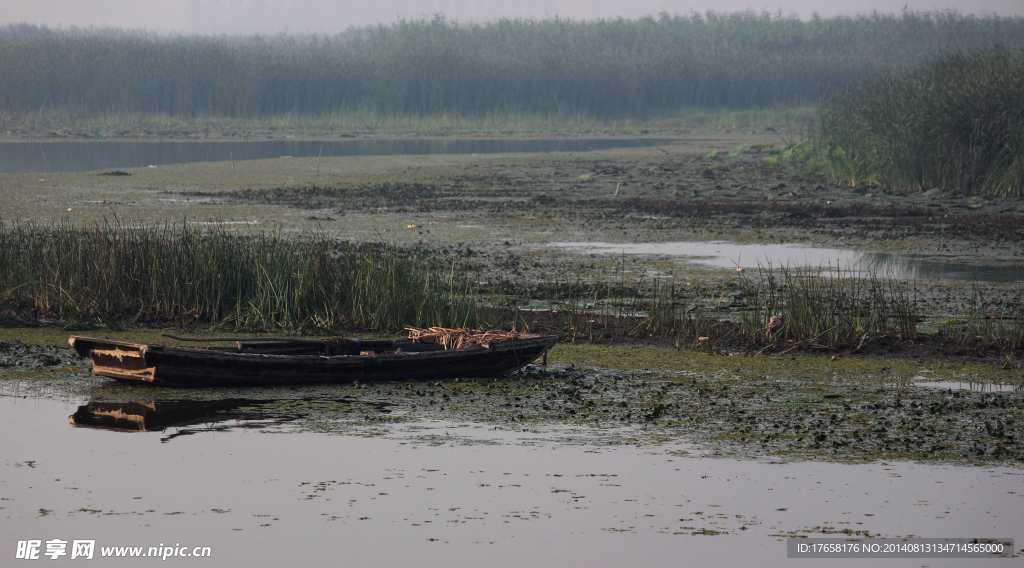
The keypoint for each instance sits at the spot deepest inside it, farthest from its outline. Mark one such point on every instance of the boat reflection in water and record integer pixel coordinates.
(188, 417)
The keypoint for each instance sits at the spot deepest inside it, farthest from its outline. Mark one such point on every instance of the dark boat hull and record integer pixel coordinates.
(197, 367)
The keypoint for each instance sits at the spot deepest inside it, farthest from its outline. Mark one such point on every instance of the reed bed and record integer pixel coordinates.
(983, 330)
(619, 308)
(779, 307)
(117, 274)
(826, 310)
(955, 123)
(554, 68)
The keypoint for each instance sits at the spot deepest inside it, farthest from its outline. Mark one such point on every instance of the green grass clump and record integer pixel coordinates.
(619, 308)
(116, 274)
(982, 329)
(956, 123)
(818, 310)
(828, 310)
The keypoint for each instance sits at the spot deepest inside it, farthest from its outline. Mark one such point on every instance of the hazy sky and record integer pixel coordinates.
(332, 16)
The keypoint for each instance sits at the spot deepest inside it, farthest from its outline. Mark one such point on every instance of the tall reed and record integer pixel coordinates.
(119, 273)
(833, 309)
(627, 306)
(956, 123)
(436, 67)
(985, 330)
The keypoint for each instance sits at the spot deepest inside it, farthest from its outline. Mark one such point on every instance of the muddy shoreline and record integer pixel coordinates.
(498, 214)
(791, 408)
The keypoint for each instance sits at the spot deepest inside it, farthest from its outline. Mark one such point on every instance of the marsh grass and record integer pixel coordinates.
(826, 309)
(118, 274)
(627, 307)
(955, 123)
(122, 275)
(818, 309)
(984, 330)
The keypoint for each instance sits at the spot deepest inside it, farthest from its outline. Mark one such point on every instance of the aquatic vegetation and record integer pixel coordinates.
(117, 274)
(770, 311)
(793, 408)
(955, 123)
(826, 310)
(984, 330)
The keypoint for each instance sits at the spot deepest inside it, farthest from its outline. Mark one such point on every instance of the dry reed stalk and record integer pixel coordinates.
(456, 338)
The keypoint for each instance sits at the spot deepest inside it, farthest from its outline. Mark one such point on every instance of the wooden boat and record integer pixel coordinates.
(286, 361)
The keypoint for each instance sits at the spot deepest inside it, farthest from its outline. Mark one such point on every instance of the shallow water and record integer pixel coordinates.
(434, 493)
(971, 386)
(88, 156)
(751, 256)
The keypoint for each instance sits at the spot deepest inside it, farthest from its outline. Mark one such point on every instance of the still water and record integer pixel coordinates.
(432, 494)
(971, 385)
(88, 156)
(751, 256)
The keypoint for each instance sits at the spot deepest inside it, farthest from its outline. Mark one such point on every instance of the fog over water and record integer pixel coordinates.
(326, 16)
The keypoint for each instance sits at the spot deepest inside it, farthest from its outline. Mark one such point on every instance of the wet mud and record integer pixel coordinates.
(494, 217)
(785, 408)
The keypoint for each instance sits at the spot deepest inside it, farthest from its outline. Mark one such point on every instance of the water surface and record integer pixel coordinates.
(433, 493)
(971, 386)
(101, 155)
(751, 256)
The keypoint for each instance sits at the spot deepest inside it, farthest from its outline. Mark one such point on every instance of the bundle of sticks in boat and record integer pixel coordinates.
(456, 338)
